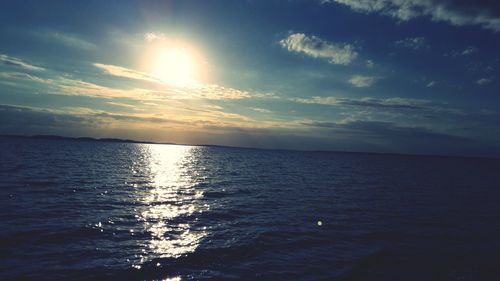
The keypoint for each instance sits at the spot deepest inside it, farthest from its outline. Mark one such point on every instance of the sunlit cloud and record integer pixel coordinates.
(316, 47)
(152, 36)
(168, 118)
(201, 91)
(18, 63)
(216, 92)
(125, 72)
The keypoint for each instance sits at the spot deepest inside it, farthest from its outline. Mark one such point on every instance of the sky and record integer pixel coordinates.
(395, 76)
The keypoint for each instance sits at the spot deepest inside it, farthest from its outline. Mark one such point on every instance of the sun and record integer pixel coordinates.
(178, 65)
(175, 66)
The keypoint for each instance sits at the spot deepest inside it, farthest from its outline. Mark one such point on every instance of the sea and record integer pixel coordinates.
(90, 210)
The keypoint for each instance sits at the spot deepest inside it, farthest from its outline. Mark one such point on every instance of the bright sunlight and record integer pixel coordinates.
(175, 64)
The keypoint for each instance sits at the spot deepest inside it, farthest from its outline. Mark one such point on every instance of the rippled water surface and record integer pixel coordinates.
(76, 210)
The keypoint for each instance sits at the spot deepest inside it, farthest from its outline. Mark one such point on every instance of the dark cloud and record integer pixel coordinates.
(382, 129)
(372, 102)
(23, 120)
(391, 137)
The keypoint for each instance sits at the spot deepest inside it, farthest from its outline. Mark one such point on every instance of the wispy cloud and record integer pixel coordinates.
(415, 43)
(63, 38)
(18, 63)
(360, 81)
(71, 40)
(469, 50)
(261, 110)
(465, 52)
(22, 76)
(125, 72)
(313, 46)
(369, 63)
(484, 81)
(398, 103)
(457, 13)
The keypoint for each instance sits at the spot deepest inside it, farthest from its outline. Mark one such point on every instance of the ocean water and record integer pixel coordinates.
(82, 210)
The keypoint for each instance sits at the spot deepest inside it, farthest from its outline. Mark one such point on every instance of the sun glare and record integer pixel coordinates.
(175, 64)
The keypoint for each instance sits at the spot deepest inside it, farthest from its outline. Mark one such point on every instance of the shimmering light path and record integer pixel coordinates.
(172, 196)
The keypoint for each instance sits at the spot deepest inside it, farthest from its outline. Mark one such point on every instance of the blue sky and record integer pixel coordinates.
(413, 76)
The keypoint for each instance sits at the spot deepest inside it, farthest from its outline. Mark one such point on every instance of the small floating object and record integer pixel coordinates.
(320, 223)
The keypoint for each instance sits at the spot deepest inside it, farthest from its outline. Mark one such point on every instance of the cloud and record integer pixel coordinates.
(22, 76)
(125, 72)
(342, 54)
(25, 120)
(484, 13)
(51, 36)
(153, 36)
(18, 63)
(370, 63)
(415, 43)
(69, 40)
(397, 103)
(360, 81)
(484, 81)
(431, 84)
(261, 110)
(201, 91)
(377, 129)
(465, 52)
(469, 50)
(217, 92)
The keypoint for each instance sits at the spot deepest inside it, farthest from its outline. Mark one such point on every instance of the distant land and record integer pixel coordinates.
(116, 140)
(54, 137)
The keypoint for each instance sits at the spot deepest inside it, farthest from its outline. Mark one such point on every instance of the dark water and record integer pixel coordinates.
(93, 211)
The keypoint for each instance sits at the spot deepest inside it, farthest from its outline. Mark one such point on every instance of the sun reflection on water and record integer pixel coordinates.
(171, 200)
